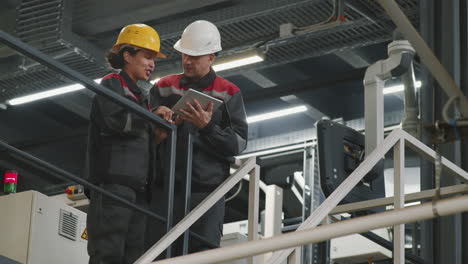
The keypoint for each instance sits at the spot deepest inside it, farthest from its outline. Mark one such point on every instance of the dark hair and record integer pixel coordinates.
(116, 60)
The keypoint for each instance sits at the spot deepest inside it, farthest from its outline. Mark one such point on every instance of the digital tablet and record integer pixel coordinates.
(202, 98)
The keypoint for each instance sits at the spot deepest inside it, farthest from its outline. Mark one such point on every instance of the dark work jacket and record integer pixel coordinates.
(120, 143)
(215, 145)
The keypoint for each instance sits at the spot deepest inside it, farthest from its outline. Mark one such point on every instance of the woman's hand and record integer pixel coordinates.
(165, 113)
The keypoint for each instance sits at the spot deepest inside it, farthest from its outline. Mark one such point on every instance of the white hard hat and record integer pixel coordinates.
(199, 38)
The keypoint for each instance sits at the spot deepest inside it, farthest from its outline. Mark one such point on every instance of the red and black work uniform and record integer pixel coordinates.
(213, 147)
(120, 160)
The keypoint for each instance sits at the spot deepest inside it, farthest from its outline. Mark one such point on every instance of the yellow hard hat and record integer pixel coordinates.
(140, 35)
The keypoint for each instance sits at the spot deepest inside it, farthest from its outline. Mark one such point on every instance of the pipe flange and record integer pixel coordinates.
(397, 46)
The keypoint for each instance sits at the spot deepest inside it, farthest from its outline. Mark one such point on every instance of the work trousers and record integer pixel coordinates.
(116, 233)
(210, 225)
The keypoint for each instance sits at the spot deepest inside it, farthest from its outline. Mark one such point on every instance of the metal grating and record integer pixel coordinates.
(39, 21)
(46, 25)
(68, 225)
(258, 26)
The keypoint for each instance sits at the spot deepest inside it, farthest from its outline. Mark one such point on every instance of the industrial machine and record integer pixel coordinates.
(37, 229)
(341, 149)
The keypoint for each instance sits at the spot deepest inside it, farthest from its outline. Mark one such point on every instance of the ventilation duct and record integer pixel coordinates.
(47, 26)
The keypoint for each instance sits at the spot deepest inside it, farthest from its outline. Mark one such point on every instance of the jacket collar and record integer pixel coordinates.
(201, 84)
(131, 84)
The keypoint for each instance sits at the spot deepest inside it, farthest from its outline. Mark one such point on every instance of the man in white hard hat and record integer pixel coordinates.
(218, 135)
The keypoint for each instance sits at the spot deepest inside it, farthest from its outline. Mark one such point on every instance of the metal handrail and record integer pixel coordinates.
(332, 201)
(324, 232)
(69, 176)
(198, 211)
(59, 67)
(308, 232)
(51, 168)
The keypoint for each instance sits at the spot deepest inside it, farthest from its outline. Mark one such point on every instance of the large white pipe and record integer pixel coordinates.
(425, 53)
(325, 232)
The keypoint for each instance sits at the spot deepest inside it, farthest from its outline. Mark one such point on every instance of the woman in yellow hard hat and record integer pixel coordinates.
(120, 151)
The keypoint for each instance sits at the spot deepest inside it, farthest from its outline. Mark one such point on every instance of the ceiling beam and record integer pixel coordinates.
(266, 83)
(142, 14)
(352, 58)
(8, 23)
(303, 85)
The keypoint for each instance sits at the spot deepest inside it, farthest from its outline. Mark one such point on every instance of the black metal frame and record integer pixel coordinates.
(59, 67)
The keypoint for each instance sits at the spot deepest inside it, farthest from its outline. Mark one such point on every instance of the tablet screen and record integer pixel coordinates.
(202, 98)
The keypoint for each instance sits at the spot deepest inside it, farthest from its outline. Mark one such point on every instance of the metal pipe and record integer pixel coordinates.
(170, 184)
(188, 190)
(427, 22)
(325, 232)
(427, 56)
(424, 196)
(61, 68)
(252, 219)
(410, 123)
(399, 200)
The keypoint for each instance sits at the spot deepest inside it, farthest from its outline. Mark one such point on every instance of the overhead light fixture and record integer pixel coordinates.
(46, 94)
(238, 60)
(230, 62)
(221, 64)
(399, 88)
(275, 114)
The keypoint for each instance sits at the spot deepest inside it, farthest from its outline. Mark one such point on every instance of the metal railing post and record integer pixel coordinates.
(196, 213)
(273, 212)
(345, 187)
(254, 191)
(399, 200)
(295, 257)
(308, 233)
(170, 184)
(325, 232)
(188, 191)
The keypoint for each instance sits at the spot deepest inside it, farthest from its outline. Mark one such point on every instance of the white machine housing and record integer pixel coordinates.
(37, 229)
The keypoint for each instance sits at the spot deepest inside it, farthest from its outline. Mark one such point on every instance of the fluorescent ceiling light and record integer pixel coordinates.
(399, 88)
(275, 114)
(230, 62)
(49, 93)
(237, 63)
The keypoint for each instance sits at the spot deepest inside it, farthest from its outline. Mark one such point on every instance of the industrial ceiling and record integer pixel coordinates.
(321, 68)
